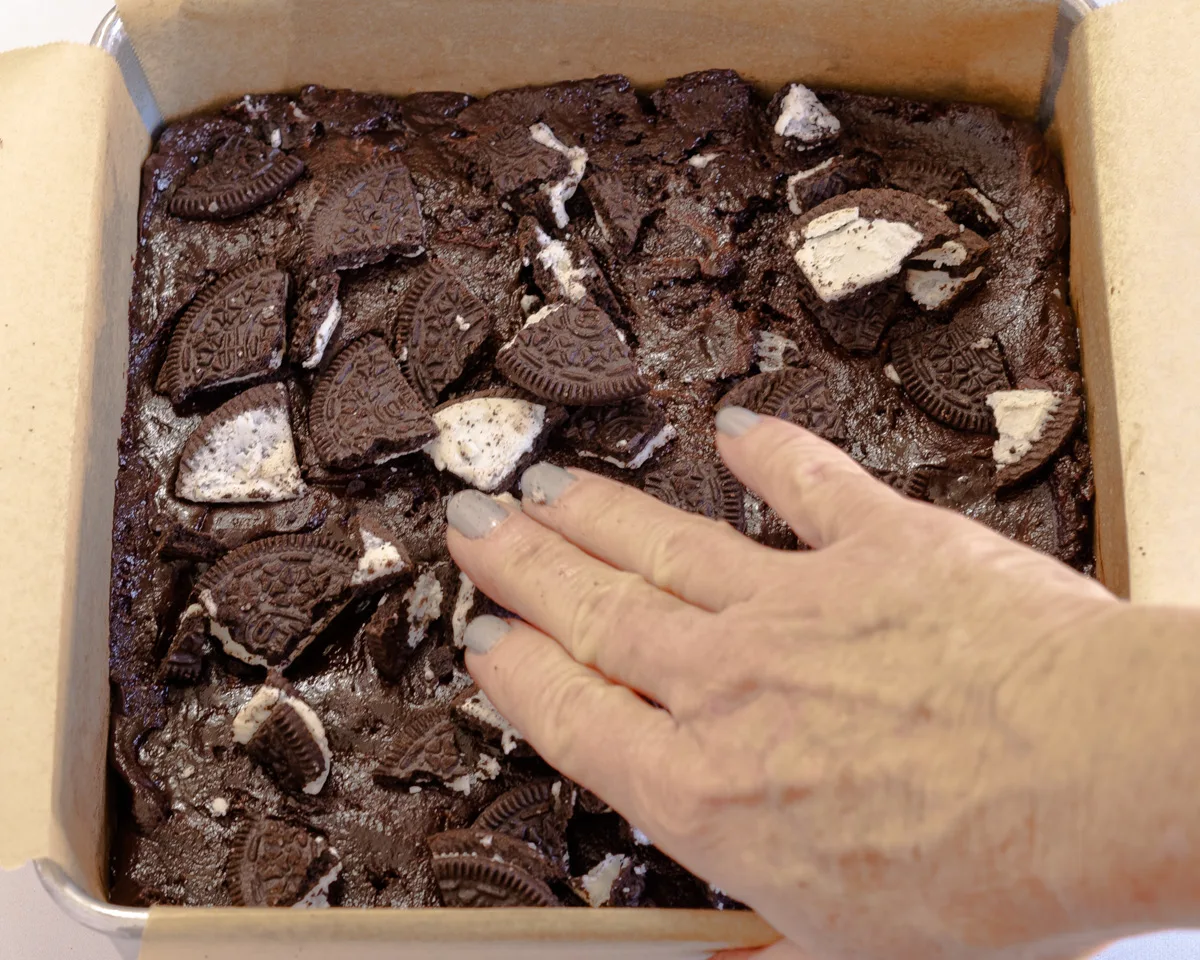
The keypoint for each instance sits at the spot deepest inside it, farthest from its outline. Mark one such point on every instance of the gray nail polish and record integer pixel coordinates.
(544, 483)
(474, 514)
(485, 632)
(736, 421)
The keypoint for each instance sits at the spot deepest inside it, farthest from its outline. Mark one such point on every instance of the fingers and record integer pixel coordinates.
(597, 733)
(783, 950)
(822, 494)
(604, 617)
(705, 562)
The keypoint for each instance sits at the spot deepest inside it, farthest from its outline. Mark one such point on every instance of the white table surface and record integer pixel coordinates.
(31, 928)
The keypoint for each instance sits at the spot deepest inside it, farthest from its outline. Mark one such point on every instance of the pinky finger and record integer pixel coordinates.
(600, 734)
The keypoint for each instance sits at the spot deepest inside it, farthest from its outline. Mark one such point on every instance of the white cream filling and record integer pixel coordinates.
(842, 252)
(797, 178)
(318, 896)
(323, 335)
(950, 254)
(378, 559)
(771, 350)
(219, 806)
(481, 709)
(489, 767)
(1021, 419)
(990, 210)
(481, 440)
(556, 257)
(598, 882)
(562, 191)
(529, 303)
(653, 445)
(702, 160)
(538, 317)
(424, 602)
(250, 458)
(640, 838)
(934, 289)
(892, 374)
(462, 607)
(258, 708)
(804, 118)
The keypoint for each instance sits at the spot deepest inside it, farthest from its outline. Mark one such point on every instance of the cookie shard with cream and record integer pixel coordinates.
(285, 736)
(942, 277)
(851, 251)
(317, 321)
(383, 558)
(486, 438)
(242, 452)
(1034, 426)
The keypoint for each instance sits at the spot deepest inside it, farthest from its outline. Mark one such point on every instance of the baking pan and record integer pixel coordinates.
(1130, 513)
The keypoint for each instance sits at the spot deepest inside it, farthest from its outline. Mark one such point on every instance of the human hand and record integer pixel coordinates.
(853, 740)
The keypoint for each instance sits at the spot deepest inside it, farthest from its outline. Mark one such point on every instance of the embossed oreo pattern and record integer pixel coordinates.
(233, 332)
(948, 374)
(242, 175)
(699, 487)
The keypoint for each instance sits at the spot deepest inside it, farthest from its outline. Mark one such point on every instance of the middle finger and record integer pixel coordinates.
(610, 619)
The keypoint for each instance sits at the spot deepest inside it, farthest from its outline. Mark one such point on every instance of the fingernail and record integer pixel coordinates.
(474, 514)
(544, 483)
(485, 632)
(736, 421)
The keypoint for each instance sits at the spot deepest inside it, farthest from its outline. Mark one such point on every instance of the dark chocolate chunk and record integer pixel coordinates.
(619, 212)
(276, 864)
(427, 749)
(364, 412)
(1061, 426)
(242, 452)
(572, 355)
(440, 324)
(796, 395)
(625, 435)
(233, 332)
(242, 175)
(365, 216)
(271, 597)
(318, 315)
(948, 373)
(290, 745)
(699, 486)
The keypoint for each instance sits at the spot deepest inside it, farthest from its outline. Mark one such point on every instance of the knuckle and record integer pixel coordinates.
(601, 606)
(671, 548)
(526, 550)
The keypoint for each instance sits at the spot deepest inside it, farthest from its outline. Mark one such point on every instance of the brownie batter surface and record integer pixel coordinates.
(348, 307)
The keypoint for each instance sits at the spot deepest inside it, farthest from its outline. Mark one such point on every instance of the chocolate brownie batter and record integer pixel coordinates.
(348, 307)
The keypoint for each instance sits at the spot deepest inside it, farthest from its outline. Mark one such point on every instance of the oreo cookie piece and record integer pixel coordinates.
(824, 181)
(515, 159)
(383, 558)
(626, 435)
(366, 215)
(242, 175)
(185, 655)
(949, 375)
(1034, 426)
(485, 439)
(428, 748)
(851, 251)
(912, 483)
(699, 486)
(940, 279)
(564, 270)
(363, 411)
(619, 212)
(688, 241)
(242, 452)
(440, 324)
(572, 354)
(613, 882)
(475, 711)
(536, 812)
(801, 120)
(269, 599)
(318, 314)
(796, 395)
(277, 864)
(480, 869)
(285, 736)
(233, 332)
(975, 209)
(384, 635)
